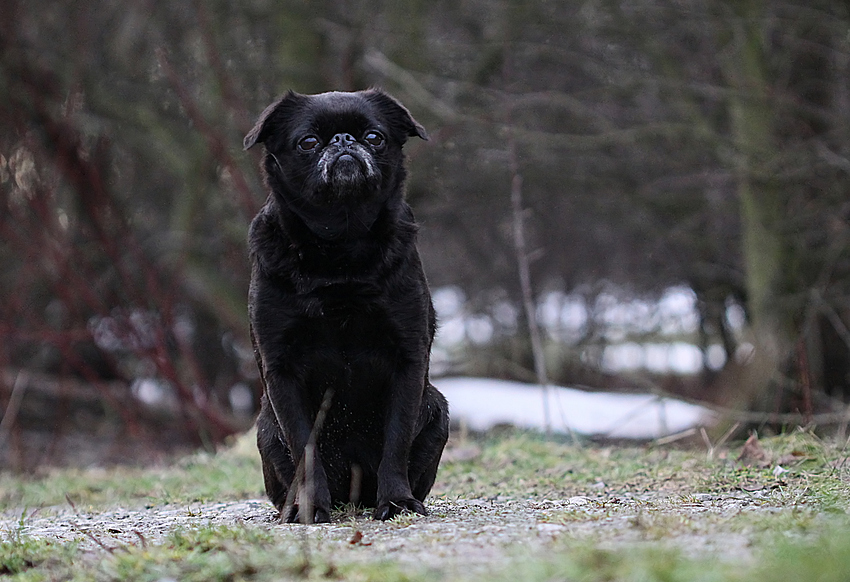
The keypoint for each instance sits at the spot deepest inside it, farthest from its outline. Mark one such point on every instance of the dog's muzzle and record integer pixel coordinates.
(346, 164)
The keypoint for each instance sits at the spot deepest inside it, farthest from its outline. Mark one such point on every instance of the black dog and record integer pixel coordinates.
(340, 311)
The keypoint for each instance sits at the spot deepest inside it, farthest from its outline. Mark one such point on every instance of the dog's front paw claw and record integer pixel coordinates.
(321, 516)
(389, 509)
(293, 515)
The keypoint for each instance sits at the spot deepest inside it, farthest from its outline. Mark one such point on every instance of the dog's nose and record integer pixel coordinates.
(342, 139)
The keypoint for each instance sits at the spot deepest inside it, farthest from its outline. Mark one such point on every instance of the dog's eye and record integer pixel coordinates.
(374, 138)
(308, 143)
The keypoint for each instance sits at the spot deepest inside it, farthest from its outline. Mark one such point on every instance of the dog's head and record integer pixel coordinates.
(335, 159)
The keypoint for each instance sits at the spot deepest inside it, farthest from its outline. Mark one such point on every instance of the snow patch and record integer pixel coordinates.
(482, 403)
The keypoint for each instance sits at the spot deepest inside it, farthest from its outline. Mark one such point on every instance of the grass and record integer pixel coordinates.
(825, 558)
(634, 513)
(231, 474)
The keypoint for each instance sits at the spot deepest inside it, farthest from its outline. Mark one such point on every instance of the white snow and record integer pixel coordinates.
(482, 403)
(673, 319)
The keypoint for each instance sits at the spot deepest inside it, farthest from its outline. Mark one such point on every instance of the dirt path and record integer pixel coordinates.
(501, 505)
(459, 534)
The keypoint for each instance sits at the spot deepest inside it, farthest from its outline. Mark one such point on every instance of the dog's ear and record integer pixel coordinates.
(271, 118)
(396, 113)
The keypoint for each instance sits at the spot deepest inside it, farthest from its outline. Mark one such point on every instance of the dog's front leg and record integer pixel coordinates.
(309, 498)
(394, 493)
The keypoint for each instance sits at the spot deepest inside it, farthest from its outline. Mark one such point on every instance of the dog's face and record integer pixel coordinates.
(335, 159)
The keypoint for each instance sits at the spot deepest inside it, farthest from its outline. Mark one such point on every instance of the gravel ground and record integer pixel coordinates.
(461, 535)
(652, 500)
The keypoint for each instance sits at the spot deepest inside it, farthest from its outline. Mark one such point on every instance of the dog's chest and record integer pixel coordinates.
(347, 339)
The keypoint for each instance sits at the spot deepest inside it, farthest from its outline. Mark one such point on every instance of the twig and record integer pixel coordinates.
(745, 416)
(707, 441)
(13, 406)
(525, 283)
(379, 62)
(91, 536)
(675, 437)
(727, 435)
(228, 90)
(837, 468)
(214, 140)
(713, 447)
(634, 412)
(305, 466)
(834, 318)
(85, 532)
(805, 378)
(302, 468)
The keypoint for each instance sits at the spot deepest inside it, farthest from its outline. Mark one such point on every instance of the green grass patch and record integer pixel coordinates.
(234, 473)
(610, 513)
(28, 559)
(525, 465)
(825, 558)
(209, 553)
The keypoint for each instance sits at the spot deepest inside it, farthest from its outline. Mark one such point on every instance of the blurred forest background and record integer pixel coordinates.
(666, 152)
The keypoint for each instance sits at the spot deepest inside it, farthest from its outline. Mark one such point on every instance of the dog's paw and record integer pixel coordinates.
(293, 515)
(389, 509)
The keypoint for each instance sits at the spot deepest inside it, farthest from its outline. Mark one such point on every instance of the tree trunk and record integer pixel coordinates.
(767, 257)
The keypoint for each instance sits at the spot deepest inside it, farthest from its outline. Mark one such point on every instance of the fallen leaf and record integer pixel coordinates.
(357, 539)
(752, 453)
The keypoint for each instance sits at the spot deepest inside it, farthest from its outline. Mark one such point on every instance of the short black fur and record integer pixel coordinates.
(340, 310)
